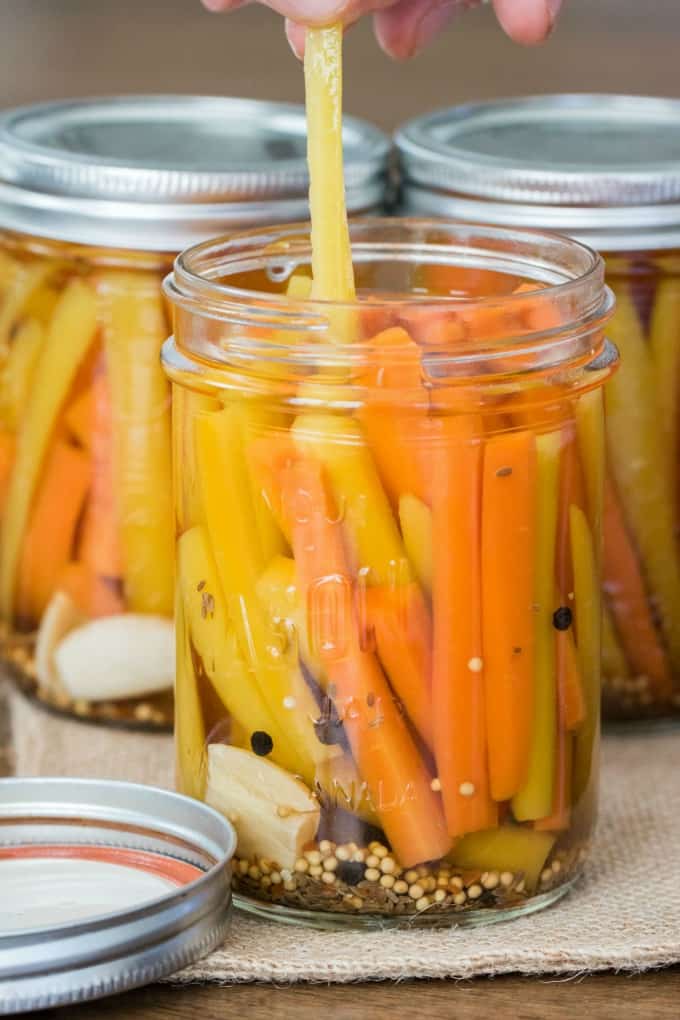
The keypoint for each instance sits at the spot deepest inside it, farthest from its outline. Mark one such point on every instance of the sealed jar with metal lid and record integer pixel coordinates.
(388, 519)
(96, 198)
(605, 169)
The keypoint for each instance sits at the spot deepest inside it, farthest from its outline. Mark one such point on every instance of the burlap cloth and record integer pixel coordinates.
(624, 914)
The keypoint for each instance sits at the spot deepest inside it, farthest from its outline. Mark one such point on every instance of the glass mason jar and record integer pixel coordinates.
(96, 198)
(605, 170)
(388, 519)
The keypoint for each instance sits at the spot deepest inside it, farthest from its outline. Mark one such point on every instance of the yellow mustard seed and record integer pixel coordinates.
(372, 875)
(416, 891)
(400, 887)
(254, 872)
(459, 899)
(380, 851)
(301, 865)
(372, 861)
(243, 867)
(276, 878)
(328, 877)
(330, 864)
(388, 865)
(313, 856)
(423, 903)
(342, 853)
(316, 870)
(439, 896)
(490, 879)
(546, 875)
(507, 878)
(411, 876)
(325, 846)
(290, 885)
(387, 881)
(475, 891)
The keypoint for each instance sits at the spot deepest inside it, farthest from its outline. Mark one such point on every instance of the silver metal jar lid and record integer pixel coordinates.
(158, 173)
(105, 886)
(603, 168)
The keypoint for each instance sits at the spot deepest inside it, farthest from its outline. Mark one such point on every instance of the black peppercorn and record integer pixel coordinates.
(562, 618)
(261, 743)
(350, 872)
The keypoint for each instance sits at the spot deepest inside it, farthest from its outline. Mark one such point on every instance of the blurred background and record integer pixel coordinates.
(57, 48)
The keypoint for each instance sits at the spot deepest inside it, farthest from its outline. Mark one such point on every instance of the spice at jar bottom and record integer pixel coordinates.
(388, 572)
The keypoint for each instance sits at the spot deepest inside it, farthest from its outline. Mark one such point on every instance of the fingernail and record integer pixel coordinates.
(432, 23)
(553, 9)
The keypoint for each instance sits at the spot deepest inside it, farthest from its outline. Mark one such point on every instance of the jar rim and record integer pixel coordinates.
(261, 327)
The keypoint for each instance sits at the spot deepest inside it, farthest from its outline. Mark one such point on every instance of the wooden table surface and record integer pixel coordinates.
(77, 47)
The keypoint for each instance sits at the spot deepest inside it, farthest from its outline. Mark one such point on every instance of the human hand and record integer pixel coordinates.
(404, 27)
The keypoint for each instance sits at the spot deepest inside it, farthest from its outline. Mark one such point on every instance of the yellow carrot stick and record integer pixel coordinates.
(535, 798)
(508, 582)
(68, 338)
(134, 331)
(332, 269)
(190, 759)
(588, 616)
(415, 518)
(16, 375)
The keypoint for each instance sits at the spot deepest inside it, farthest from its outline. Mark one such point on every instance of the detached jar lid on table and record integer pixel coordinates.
(606, 170)
(96, 199)
(105, 887)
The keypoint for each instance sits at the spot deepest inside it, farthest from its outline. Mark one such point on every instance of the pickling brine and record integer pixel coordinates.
(389, 519)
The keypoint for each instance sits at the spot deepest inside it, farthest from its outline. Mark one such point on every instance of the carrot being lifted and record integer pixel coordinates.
(384, 751)
(458, 684)
(508, 557)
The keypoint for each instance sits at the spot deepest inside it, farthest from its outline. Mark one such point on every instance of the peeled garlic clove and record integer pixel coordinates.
(116, 657)
(60, 617)
(274, 814)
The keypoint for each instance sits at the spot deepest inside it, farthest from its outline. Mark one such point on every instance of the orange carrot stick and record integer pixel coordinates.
(627, 598)
(100, 544)
(384, 751)
(393, 423)
(94, 596)
(402, 627)
(458, 684)
(49, 538)
(508, 564)
(7, 448)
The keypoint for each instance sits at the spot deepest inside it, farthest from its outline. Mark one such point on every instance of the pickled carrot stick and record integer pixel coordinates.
(68, 338)
(458, 707)
(393, 415)
(587, 612)
(7, 451)
(401, 623)
(50, 535)
(535, 798)
(508, 564)
(332, 269)
(572, 704)
(134, 331)
(385, 753)
(94, 596)
(628, 600)
(100, 541)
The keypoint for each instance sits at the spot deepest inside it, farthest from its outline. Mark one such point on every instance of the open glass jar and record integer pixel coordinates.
(96, 198)
(606, 170)
(388, 519)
